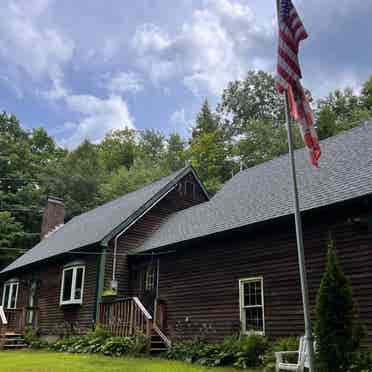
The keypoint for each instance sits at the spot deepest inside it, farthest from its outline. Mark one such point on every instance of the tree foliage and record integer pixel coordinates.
(246, 128)
(334, 322)
(253, 99)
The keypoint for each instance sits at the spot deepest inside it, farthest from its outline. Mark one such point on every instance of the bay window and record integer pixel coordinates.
(72, 284)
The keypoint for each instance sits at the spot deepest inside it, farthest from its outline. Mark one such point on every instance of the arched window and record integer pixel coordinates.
(72, 286)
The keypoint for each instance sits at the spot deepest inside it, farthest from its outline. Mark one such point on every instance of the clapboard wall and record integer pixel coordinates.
(199, 280)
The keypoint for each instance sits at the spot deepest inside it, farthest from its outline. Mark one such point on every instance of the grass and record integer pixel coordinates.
(44, 361)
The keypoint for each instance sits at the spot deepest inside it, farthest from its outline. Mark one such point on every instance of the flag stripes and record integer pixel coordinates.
(291, 33)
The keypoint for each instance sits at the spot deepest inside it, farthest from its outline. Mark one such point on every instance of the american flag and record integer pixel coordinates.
(291, 33)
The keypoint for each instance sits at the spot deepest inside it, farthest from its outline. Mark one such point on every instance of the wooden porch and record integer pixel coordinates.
(128, 317)
(13, 324)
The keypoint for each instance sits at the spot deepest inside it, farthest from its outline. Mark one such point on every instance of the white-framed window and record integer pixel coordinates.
(252, 314)
(72, 286)
(10, 294)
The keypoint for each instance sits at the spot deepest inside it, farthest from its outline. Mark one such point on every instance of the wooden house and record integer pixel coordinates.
(172, 262)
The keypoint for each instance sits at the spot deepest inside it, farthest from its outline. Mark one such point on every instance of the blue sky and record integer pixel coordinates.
(82, 68)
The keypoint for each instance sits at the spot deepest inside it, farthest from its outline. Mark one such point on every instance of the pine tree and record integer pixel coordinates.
(335, 312)
(206, 121)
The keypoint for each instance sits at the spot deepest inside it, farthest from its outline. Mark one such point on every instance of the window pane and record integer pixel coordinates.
(252, 293)
(79, 284)
(6, 295)
(67, 285)
(189, 188)
(254, 319)
(247, 291)
(13, 295)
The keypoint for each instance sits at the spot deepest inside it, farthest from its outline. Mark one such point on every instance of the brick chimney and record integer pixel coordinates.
(53, 215)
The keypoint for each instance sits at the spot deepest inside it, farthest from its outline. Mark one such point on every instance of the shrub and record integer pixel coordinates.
(38, 344)
(30, 336)
(362, 362)
(334, 324)
(249, 350)
(98, 341)
(117, 346)
(98, 332)
(242, 351)
(282, 344)
(197, 351)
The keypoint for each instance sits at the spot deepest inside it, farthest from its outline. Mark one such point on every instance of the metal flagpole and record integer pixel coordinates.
(299, 235)
(300, 242)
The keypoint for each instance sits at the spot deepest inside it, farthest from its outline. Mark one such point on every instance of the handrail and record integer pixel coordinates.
(149, 317)
(142, 308)
(2, 316)
(165, 339)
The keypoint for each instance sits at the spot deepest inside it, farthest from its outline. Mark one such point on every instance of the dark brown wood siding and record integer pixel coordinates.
(200, 282)
(176, 200)
(53, 318)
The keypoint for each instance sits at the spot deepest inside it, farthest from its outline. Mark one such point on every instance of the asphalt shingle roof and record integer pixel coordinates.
(93, 226)
(264, 192)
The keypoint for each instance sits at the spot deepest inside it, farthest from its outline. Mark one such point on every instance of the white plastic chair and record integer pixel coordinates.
(302, 360)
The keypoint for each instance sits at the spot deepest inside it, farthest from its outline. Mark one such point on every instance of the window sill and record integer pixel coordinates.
(68, 303)
(259, 333)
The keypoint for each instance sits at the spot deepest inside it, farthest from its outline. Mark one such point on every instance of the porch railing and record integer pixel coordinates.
(17, 320)
(126, 317)
(3, 320)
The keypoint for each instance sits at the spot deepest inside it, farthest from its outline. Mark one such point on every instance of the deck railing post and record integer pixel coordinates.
(149, 328)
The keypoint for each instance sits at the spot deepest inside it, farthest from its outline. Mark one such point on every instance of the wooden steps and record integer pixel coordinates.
(13, 341)
(157, 345)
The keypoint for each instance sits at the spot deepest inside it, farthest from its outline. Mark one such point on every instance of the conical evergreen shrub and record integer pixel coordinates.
(334, 323)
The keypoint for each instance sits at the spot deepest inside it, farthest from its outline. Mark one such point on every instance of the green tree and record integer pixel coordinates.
(124, 180)
(151, 145)
(209, 154)
(366, 95)
(77, 179)
(209, 149)
(175, 152)
(249, 100)
(334, 322)
(23, 156)
(206, 121)
(118, 149)
(342, 110)
(263, 142)
(12, 234)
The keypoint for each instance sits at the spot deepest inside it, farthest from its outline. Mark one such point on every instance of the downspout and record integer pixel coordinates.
(129, 226)
(114, 284)
(101, 263)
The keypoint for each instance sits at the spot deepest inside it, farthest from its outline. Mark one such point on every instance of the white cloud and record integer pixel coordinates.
(97, 117)
(124, 82)
(221, 42)
(178, 117)
(150, 38)
(27, 45)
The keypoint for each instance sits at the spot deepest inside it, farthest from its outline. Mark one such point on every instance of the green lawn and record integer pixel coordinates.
(41, 361)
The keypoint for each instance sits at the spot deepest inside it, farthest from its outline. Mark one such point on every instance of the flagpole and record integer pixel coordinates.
(299, 235)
